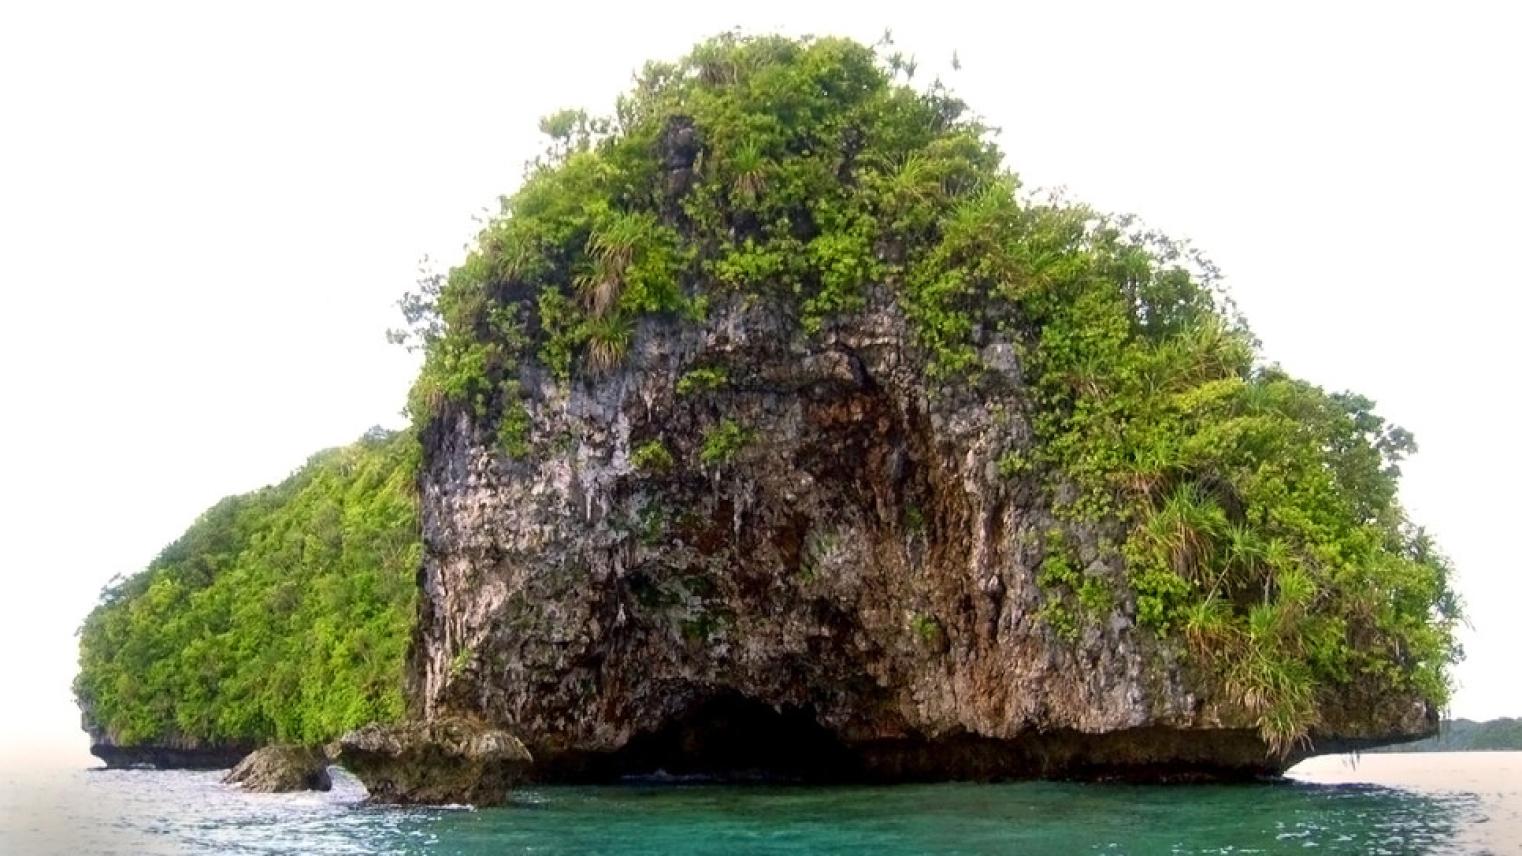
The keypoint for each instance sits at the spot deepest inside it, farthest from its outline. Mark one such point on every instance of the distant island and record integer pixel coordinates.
(1466, 735)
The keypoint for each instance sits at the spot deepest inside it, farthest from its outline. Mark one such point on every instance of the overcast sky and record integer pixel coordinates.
(208, 210)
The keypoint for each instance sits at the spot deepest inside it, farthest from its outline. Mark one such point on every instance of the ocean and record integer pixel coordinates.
(1467, 803)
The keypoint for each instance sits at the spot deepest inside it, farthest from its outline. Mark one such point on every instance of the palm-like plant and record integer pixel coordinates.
(599, 285)
(618, 238)
(1269, 677)
(1275, 686)
(1150, 469)
(718, 70)
(515, 253)
(608, 340)
(1207, 625)
(915, 180)
(1185, 528)
(611, 249)
(750, 174)
(1245, 550)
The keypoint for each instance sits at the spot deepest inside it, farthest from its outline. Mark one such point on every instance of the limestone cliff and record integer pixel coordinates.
(851, 592)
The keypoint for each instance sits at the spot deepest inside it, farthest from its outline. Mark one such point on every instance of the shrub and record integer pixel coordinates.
(513, 430)
(702, 379)
(651, 457)
(722, 442)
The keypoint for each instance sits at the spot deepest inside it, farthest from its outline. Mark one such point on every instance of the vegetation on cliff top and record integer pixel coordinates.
(1263, 538)
(1263, 533)
(283, 614)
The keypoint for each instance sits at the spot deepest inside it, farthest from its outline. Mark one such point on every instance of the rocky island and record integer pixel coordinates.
(771, 430)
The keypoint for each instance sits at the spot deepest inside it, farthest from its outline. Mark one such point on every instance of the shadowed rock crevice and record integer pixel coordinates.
(727, 738)
(730, 738)
(170, 757)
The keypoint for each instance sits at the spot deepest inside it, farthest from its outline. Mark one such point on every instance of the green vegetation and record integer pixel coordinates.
(722, 442)
(819, 548)
(702, 379)
(652, 457)
(914, 519)
(651, 523)
(460, 661)
(1012, 464)
(513, 430)
(927, 629)
(1070, 597)
(283, 614)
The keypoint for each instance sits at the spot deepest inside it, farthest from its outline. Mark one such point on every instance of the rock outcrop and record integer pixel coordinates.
(171, 752)
(172, 755)
(822, 574)
(434, 763)
(282, 769)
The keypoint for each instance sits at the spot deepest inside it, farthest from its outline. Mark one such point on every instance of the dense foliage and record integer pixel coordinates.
(283, 614)
(1262, 534)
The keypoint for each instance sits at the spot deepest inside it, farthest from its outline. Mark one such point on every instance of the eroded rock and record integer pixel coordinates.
(830, 556)
(434, 763)
(168, 752)
(281, 769)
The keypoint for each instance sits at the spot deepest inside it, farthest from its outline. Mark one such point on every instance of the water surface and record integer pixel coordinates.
(1427, 803)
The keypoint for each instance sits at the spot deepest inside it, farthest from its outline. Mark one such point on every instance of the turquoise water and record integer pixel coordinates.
(138, 812)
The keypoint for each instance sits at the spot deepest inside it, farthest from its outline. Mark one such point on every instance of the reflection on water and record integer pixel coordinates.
(1385, 804)
(1492, 781)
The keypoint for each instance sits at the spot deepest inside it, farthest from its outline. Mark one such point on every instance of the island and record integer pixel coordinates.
(773, 430)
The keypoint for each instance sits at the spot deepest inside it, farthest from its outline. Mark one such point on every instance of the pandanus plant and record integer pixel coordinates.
(750, 172)
(608, 340)
(611, 250)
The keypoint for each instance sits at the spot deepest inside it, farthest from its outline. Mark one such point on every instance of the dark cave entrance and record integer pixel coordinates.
(730, 738)
(726, 738)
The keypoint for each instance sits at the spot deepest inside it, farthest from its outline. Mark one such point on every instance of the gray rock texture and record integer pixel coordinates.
(280, 769)
(434, 763)
(850, 593)
(171, 752)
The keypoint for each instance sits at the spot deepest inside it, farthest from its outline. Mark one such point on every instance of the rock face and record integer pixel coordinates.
(174, 752)
(187, 755)
(824, 576)
(282, 769)
(434, 763)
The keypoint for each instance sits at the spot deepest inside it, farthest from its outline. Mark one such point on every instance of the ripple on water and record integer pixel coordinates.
(1475, 807)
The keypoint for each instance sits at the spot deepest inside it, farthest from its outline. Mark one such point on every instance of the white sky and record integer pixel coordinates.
(208, 210)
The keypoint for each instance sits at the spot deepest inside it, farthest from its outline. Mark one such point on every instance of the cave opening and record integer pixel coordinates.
(728, 738)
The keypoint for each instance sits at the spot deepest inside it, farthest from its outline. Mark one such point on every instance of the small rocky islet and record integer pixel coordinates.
(772, 431)
(282, 768)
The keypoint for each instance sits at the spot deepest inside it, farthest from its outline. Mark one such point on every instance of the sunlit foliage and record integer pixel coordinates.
(283, 614)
